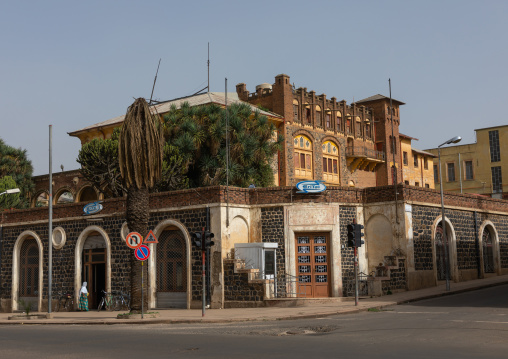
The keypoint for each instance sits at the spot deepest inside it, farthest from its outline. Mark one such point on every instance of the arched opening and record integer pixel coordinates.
(64, 196)
(41, 200)
(27, 271)
(380, 234)
(171, 269)
(303, 157)
(88, 194)
(330, 162)
(489, 249)
(296, 111)
(440, 256)
(93, 264)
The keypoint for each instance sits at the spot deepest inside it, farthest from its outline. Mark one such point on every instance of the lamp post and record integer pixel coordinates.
(10, 191)
(455, 139)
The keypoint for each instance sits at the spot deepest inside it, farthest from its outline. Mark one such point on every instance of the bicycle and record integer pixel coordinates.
(107, 301)
(65, 302)
(122, 300)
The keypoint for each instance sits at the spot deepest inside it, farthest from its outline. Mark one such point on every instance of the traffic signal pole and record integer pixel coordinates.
(203, 255)
(356, 276)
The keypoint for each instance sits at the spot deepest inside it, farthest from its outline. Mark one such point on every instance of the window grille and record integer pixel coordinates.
(29, 269)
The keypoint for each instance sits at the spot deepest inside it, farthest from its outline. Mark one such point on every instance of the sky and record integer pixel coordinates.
(70, 64)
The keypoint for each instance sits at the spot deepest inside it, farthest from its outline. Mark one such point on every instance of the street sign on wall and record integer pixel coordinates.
(92, 208)
(134, 240)
(150, 238)
(142, 253)
(310, 187)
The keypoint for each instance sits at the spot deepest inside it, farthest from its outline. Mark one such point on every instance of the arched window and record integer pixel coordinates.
(303, 157)
(328, 114)
(367, 130)
(64, 197)
(295, 111)
(29, 269)
(358, 127)
(308, 118)
(88, 194)
(348, 125)
(319, 116)
(330, 162)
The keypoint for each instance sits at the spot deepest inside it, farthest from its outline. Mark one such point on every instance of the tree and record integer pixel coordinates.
(8, 200)
(140, 159)
(15, 163)
(99, 165)
(200, 135)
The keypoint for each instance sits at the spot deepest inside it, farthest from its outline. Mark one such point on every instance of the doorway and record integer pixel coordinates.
(94, 269)
(312, 260)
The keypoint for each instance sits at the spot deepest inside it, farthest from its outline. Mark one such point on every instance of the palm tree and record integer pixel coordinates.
(140, 160)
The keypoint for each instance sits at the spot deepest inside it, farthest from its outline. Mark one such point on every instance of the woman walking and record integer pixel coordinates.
(83, 298)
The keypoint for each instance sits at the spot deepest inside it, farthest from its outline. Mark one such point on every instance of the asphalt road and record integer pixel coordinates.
(468, 325)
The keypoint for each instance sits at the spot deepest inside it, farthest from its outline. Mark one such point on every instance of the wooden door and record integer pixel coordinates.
(312, 261)
(94, 273)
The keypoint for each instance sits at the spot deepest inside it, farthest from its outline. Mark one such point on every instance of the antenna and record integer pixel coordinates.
(154, 80)
(208, 64)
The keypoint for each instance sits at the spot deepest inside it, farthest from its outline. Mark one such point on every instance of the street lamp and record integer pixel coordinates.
(455, 139)
(10, 191)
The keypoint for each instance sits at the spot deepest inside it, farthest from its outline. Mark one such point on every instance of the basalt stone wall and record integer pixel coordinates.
(398, 279)
(347, 215)
(237, 286)
(500, 223)
(272, 227)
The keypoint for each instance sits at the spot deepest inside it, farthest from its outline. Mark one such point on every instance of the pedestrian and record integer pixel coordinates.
(83, 298)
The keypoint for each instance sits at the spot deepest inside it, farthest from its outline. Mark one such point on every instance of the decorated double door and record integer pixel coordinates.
(312, 264)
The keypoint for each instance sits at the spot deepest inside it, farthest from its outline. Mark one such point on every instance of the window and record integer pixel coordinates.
(497, 180)
(319, 116)
(328, 118)
(29, 269)
(406, 182)
(393, 146)
(436, 174)
(427, 185)
(330, 162)
(495, 154)
(450, 171)
(367, 130)
(339, 121)
(404, 158)
(426, 163)
(358, 125)
(295, 111)
(469, 169)
(417, 184)
(307, 114)
(415, 160)
(348, 126)
(303, 157)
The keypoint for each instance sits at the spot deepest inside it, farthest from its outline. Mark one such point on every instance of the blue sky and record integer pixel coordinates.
(70, 64)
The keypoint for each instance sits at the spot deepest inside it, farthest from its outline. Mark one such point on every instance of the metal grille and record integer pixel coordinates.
(29, 269)
(171, 262)
(350, 284)
(440, 253)
(488, 252)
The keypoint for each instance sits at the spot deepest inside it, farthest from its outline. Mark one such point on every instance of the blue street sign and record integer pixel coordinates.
(92, 208)
(310, 187)
(142, 253)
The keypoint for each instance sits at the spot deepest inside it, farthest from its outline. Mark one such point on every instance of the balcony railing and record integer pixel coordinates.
(364, 152)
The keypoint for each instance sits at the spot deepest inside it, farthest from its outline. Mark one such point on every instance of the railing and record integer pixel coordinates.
(363, 286)
(357, 151)
(285, 285)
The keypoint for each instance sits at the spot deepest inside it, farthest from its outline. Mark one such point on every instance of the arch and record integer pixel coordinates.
(63, 195)
(307, 112)
(78, 255)
(16, 261)
(488, 231)
(296, 110)
(40, 199)
(87, 194)
(328, 116)
(380, 234)
(338, 116)
(319, 116)
(239, 232)
(330, 162)
(303, 157)
(152, 273)
(452, 249)
(358, 127)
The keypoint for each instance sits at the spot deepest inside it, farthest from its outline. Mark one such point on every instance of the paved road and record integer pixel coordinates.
(469, 325)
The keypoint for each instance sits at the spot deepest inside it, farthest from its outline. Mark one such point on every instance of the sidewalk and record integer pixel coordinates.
(171, 316)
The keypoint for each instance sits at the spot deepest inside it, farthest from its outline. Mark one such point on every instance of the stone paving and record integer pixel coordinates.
(340, 306)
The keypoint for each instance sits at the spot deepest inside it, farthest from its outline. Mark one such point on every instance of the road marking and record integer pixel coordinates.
(422, 312)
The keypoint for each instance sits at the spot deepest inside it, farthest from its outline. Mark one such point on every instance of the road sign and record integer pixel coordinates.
(92, 208)
(142, 253)
(134, 240)
(150, 238)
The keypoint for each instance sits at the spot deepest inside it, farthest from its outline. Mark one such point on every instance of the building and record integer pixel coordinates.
(477, 167)
(417, 167)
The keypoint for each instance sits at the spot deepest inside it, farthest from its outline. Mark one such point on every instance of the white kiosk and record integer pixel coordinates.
(261, 256)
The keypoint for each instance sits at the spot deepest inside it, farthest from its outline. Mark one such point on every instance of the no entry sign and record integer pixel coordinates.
(142, 253)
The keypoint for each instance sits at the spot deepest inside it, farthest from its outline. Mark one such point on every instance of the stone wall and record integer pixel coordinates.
(272, 227)
(347, 215)
(398, 279)
(237, 286)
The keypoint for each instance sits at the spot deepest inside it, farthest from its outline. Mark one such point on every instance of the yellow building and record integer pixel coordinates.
(477, 167)
(416, 165)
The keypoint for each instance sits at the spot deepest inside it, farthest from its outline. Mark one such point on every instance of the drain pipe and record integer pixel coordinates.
(208, 264)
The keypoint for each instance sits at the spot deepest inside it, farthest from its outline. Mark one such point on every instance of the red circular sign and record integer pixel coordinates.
(142, 253)
(134, 240)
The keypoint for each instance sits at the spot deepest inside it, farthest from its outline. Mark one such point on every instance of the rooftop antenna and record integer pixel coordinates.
(154, 80)
(208, 65)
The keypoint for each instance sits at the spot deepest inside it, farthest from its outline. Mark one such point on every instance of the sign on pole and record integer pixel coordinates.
(150, 238)
(142, 253)
(134, 240)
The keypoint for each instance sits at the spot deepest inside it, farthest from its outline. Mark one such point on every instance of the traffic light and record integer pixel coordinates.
(208, 239)
(196, 239)
(358, 235)
(351, 234)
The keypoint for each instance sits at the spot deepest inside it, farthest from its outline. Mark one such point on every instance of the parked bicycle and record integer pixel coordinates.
(123, 301)
(65, 302)
(107, 301)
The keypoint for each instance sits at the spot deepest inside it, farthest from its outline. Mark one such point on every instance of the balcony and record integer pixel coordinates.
(363, 158)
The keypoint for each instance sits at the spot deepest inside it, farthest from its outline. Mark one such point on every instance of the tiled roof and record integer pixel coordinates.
(379, 97)
(423, 152)
(195, 100)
